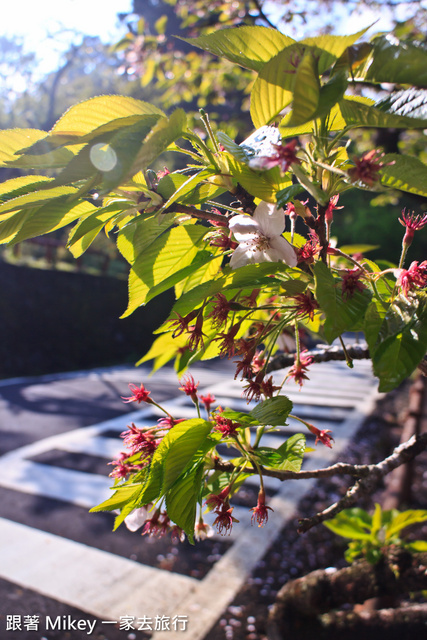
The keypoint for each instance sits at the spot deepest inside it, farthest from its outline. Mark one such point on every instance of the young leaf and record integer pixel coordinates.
(119, 498)
(85, 117)
(306, 91)
(164, 263)
(397, 339)
(273, 411)
(342, 314)
(182, 500)
(397, 62)
(249, 47)
(272, 90)
(292, 453)
(406, 173)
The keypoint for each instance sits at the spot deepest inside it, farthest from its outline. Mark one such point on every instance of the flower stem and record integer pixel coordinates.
(348, 360)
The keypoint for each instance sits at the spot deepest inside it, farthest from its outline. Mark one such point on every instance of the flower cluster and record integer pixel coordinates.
(220, 504)
(414, 277)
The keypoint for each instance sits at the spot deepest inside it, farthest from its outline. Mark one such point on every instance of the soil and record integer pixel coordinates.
(294, 555)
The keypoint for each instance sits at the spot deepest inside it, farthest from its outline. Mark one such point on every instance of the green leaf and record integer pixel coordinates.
(232, 147)
(252, 275)
(410, 103)
(118, 499)
(163, 134)
(52, 216)
(13, 141)
(137, 235)
(397, 339)
(21, 186)
(84, 118)
(194, 191)
(292, 453)
(349, 524)
(404, 519)
(182, 501)
(178, 448)
(341, 314)
(273, 89)
(163, 349)
(164, 263)
(289, 193)
(329, 48)
(35, 198)
(273, 411)
(108, 162)
(406, 173)
(249, 47)
(397, 62)
(262, 185)
(306, 91)
(363, 112)
(351, 249)
(84, 233)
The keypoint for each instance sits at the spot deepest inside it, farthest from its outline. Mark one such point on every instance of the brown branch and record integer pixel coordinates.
(301, 601)
(401, 455)
(196, 213)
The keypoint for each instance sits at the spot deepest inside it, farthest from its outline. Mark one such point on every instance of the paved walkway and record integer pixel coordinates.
(96, 575)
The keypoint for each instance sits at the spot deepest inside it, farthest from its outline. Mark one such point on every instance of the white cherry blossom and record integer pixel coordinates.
(260, 237)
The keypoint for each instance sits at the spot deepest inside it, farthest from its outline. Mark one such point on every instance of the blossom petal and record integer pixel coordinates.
(243, 227)
(270, 219)
(280, 249)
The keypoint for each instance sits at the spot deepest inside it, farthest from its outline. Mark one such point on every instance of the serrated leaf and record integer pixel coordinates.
(252, 275)
(292, 453)
(136, 236)
(249, 47)
(178, 448)
(307, 90)
(410, 103)
(329, 48)
(120, 497)
(35, 198)
(273, 89)
(397, 62)
(83, 118)
(397, 339)
(163, 349)
(407, 173)
(194, 192)
(262, 185)
(232, 147)
(163, 134)
(84, 233)
(341, 314)
(21, 186)
(285, 195)
(182, 501)
(108, 163)
(349, 525)
(362, 112)
(50, 217)
(13, 141)
(164, 263)
(404, 519)
(273, 411)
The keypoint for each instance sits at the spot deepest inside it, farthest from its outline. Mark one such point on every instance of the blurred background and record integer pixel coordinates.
(59, 314)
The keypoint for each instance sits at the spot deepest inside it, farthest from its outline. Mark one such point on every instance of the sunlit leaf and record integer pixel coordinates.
(407, 173)
(249, 47)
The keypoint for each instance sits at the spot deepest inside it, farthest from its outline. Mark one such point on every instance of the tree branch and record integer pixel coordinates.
(326, 354)
(300, 602)
(401, 455)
